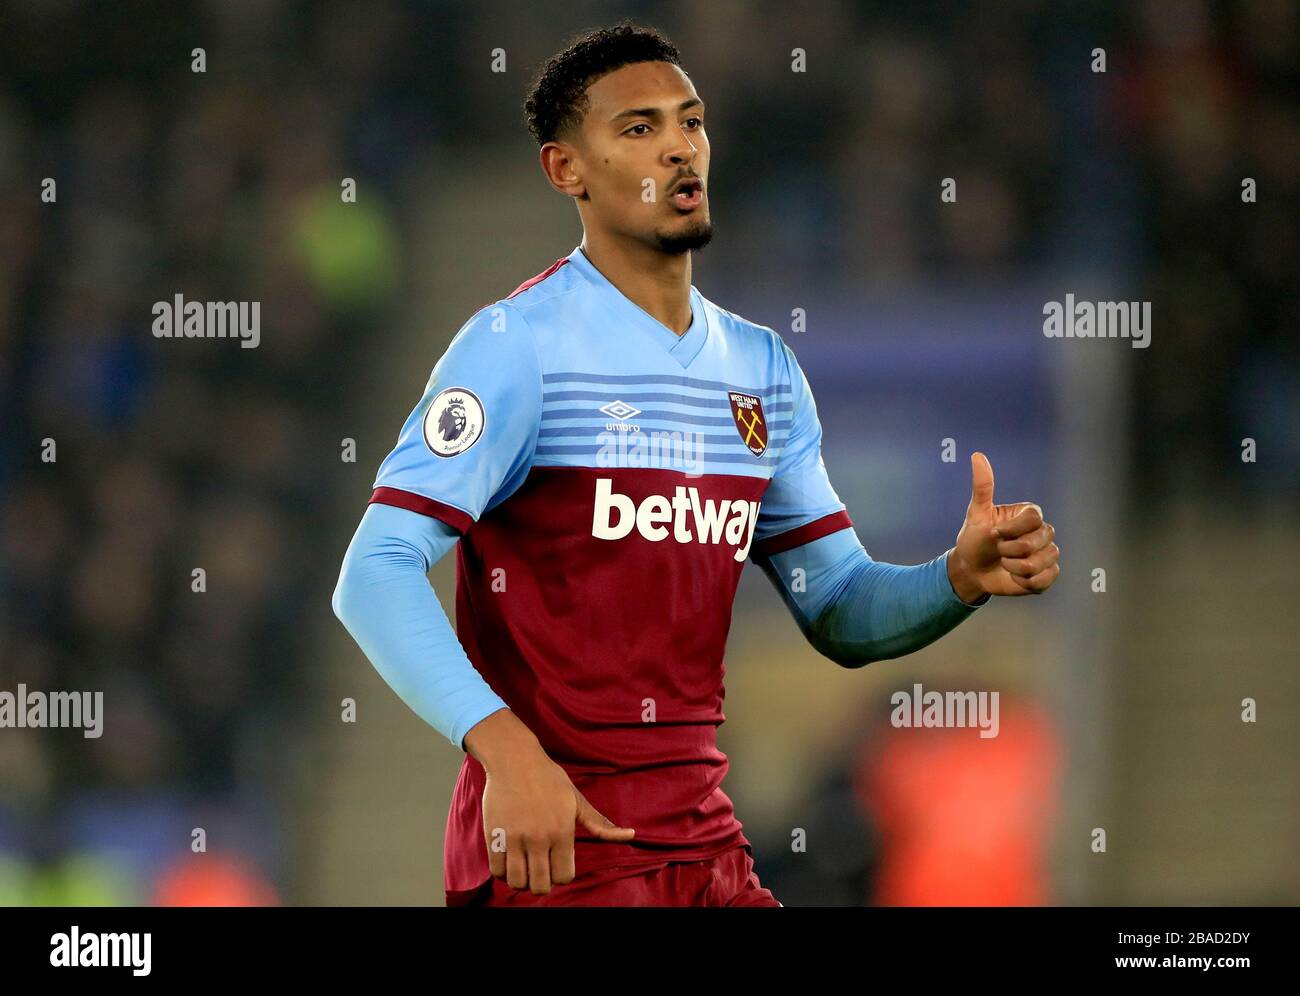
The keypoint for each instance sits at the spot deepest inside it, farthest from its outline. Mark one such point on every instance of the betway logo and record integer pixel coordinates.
(693, 521)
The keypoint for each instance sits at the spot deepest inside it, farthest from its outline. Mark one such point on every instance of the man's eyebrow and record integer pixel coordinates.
(653, 112)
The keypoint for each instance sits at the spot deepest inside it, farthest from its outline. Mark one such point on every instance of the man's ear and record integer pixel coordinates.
(562, 169)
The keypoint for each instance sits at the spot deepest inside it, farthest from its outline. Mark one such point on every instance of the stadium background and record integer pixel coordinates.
(1120, 710)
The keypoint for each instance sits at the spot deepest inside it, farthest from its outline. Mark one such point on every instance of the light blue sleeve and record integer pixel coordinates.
(800, 492)
(855, 610)
(469, 442)
(386, 602)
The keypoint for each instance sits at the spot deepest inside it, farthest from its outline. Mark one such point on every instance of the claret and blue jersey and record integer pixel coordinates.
(609, 479)
(568, 373)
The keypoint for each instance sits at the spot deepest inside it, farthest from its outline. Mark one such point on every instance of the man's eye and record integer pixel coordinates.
(698, 122)
(636, 126)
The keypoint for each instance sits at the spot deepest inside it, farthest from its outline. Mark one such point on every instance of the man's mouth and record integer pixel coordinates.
(688, 194)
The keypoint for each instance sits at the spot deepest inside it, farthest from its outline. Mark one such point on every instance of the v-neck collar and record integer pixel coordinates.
(682, 348)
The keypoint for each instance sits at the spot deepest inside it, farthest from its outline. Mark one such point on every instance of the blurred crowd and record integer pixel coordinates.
(1205, 107)
(175, 455)
(167, 457)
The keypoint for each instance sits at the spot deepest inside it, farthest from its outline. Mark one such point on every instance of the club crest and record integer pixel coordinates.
(747, 413)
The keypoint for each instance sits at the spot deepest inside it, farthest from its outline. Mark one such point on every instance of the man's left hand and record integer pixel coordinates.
(1001, 549)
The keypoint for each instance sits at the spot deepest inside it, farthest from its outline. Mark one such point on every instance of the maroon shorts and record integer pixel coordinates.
(727, 879)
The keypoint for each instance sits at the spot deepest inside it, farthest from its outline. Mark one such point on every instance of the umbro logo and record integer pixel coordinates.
(620, 411)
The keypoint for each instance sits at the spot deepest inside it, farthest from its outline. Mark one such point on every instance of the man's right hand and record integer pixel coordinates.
(530, 807)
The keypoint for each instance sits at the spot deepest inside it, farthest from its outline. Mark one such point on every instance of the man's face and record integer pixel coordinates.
(643, 157)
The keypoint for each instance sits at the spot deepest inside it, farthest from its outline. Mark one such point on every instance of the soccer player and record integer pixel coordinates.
(606, 448)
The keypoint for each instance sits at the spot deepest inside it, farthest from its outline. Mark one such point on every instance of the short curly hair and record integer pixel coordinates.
(558, 98)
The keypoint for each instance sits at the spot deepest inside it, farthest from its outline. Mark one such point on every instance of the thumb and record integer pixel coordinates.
(981, 473)
(603, 828)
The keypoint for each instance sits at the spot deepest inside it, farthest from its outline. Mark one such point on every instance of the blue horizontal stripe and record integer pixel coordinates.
(579, 430)
(642, 397)
(590, 424)
(593, 451)
(651, 379)
(587, 413)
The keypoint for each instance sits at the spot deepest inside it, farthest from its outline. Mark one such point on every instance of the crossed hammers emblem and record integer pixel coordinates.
(748, 412)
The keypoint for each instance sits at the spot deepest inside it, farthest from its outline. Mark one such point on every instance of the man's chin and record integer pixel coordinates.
(695, 236)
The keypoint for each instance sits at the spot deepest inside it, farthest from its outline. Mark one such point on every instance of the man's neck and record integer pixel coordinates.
(659, 283)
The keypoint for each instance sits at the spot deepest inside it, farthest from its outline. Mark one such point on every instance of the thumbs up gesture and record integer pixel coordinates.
(1001, 549)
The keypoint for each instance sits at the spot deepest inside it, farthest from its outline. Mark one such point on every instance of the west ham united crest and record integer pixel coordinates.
(453, 422)
(747, 411)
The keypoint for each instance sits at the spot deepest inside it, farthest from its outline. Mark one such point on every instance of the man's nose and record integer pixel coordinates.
(682, 153)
